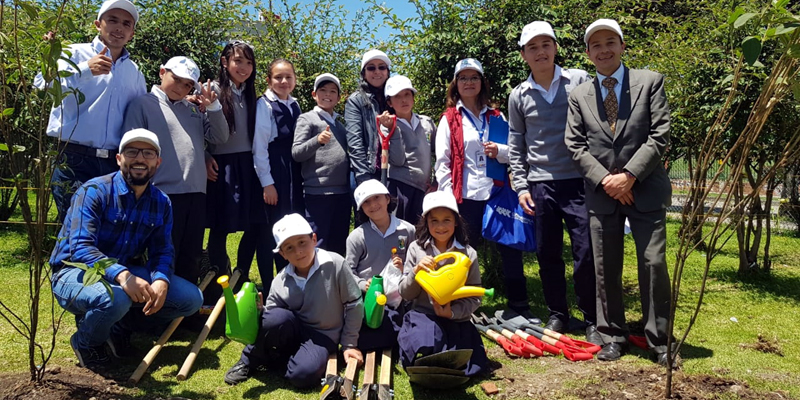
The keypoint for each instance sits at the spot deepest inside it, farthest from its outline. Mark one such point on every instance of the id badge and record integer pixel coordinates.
(480, 159)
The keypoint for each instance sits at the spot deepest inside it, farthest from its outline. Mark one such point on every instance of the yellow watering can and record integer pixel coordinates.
(446, 283)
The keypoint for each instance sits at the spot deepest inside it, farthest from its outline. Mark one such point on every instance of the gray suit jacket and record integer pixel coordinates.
(638, 146)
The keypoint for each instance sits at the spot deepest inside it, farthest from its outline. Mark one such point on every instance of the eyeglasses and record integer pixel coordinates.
(371, 68)
(471, 79)
(132, 152)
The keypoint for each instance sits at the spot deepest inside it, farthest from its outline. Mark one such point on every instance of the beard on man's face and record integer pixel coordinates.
(135, 176)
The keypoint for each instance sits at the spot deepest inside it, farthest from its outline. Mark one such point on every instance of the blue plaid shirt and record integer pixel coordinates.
(106, 220)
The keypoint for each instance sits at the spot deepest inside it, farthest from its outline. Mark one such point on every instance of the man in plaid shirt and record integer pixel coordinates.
(120, 216)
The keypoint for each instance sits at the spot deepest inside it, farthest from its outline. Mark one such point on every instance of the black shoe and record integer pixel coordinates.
(676, 360)
(92, 358)
(593, 336)
(238, 373)
(119, 341)
(612, 351)
(556, 325)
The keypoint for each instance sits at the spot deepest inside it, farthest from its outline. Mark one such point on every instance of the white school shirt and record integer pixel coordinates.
(619, 74)
(548, 94)
(411, 124)
(97, 122)
(299, 280)
(394, 222)
(330, 119)
(477, 186)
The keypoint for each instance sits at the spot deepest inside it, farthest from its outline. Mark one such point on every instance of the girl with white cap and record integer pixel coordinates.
(360, 112)
(463, 149)
(429, 327)
(409, 176)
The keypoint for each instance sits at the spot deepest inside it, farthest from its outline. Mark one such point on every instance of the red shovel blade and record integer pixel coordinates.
(638, 341)
(586, 346)
(511, 348)
(527, 346)
(573, 353)
(544, 346)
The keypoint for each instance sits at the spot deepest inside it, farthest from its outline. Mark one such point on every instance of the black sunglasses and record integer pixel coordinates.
(371, 68)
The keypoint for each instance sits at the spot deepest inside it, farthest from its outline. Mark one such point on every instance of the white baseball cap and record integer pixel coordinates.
(288, 226)
(602, 24)
(140, 135)
(375, 54)
(397, 84)
(122, 5)
(184, 68)
(326, 77)
(534, 29)
(468, 63)
(439, 199)
(368, 189)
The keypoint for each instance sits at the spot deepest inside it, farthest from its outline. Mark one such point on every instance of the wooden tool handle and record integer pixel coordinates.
(151, 355)
(212, 319)
(386, 367)
(350, 372)
(332, 367)
(369, 369)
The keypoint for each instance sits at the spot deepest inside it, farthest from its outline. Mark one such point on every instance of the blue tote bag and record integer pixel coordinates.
(505, 222)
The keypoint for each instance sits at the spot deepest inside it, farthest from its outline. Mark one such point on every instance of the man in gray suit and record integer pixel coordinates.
(617, 131)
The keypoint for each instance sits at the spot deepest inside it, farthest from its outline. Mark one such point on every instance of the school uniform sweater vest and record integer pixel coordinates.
(240, 140)
(181, 130)
(545, 124)
(285, 171)
(410, 153)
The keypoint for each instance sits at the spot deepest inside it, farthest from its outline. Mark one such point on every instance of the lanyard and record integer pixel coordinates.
(483, 125)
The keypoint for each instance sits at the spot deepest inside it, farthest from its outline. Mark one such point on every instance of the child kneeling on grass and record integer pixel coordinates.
(314, 304)
(429, 327)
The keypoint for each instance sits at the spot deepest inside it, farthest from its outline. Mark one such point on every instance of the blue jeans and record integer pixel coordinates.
(100, 312)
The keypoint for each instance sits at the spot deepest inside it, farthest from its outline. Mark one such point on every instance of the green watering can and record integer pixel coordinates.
(242, 317)
(374, 303)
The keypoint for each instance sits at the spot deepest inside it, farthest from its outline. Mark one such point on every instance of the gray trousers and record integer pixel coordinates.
(650, 236)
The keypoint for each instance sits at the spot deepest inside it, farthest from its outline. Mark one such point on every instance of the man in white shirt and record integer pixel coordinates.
(89, 132)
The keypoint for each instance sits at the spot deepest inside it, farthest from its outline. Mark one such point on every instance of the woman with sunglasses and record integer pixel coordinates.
(463, 150)
(360, 113)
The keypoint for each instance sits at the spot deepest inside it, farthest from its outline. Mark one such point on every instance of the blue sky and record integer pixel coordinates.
(401, 8)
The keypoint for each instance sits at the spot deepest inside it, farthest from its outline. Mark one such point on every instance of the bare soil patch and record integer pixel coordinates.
(764, 345)
(622, 380)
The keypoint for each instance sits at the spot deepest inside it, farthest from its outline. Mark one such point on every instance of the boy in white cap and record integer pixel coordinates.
(182, 129)
(618, 131)
(314, 305)
(121, 216)
(89, 132)
(320, 146)
(547, 182)
(410, 148)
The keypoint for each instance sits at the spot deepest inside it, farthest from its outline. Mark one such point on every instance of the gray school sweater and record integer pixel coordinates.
(239, 140)
(181, 129)
(410, 153)
(325, 169)
(368, 251)
(536, 139)
(330, 303)
(411, 290)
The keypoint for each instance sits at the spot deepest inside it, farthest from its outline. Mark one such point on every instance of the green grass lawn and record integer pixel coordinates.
(766, 306)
